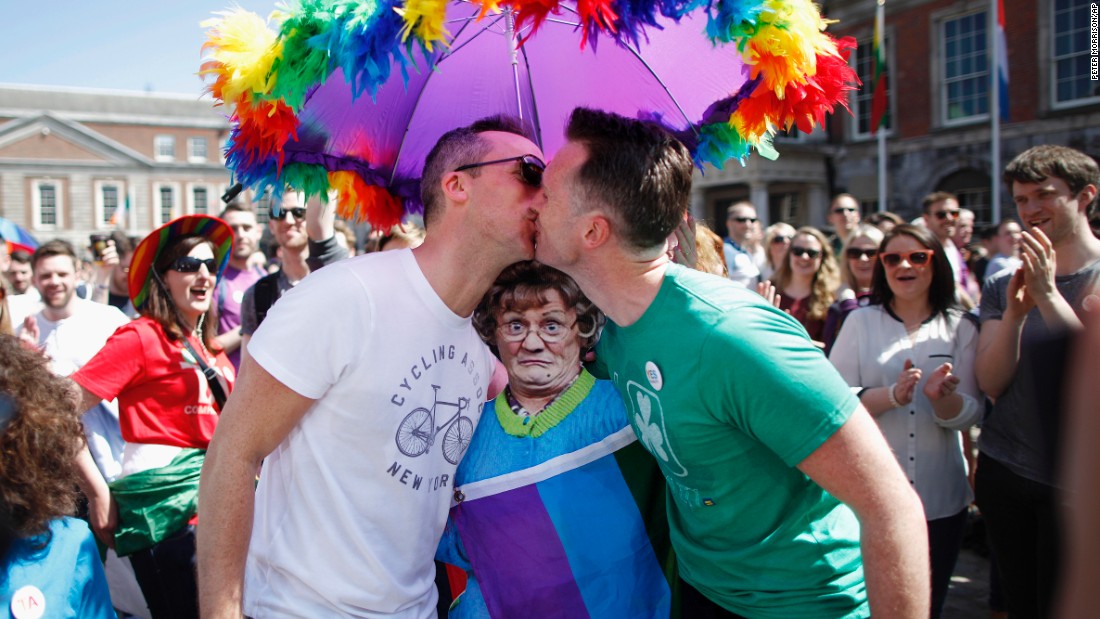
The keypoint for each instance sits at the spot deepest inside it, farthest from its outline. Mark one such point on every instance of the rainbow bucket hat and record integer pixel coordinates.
(148, 250)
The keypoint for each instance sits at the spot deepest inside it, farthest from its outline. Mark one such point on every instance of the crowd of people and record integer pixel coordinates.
(561, 396)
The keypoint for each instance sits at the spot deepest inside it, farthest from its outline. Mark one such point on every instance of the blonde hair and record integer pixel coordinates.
(826, 279)
(770, 233)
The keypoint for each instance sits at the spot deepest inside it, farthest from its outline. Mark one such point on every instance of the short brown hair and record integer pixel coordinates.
(524, 285)
(1048, 160)
(56, 247)
(459, 147)
(934, 197)
(635, 168)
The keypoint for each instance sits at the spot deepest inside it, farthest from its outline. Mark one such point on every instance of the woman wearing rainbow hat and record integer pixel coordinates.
(170, 381)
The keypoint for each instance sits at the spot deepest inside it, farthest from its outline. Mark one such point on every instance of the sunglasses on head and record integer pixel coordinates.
(299, 213)
(806, 252)
(947, 214)
(530, 168)
(915, 258)
(856, 253)
(191, 264)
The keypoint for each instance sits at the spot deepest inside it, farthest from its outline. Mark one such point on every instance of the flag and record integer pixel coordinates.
(537, 550)
(118, 218)
(880, 105)
(1002, 62)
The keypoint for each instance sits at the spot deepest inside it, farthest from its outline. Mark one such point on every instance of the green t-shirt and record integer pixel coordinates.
(730, 395)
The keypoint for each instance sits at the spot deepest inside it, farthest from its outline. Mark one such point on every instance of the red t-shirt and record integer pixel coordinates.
(163, 397)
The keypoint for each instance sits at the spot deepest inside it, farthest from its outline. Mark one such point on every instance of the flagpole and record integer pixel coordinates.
(880, 19)
(995, 113)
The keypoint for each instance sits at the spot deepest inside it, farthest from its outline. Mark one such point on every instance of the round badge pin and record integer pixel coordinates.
(28, 603)
(653, 374)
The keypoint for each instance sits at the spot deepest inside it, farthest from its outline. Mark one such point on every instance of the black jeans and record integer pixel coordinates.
(1024, 529)
(166, 574)
(945, 538)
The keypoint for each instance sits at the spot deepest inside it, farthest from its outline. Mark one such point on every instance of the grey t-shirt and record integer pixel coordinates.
(1018, 432)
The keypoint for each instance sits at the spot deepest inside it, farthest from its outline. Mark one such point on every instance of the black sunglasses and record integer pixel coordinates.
(745, 220)
(946, 214)
(191, 264)
(530, 168)
(915, 258)
(279, 213)
(806, 252)
(780, 239)
(844, 209)
(856, 253)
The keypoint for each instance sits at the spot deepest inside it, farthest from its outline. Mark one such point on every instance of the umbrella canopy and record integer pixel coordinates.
(16, 236)
(351, 96)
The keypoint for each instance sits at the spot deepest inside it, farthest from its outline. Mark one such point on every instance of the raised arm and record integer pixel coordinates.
(999, 340)
(259, 414)
(856, 466)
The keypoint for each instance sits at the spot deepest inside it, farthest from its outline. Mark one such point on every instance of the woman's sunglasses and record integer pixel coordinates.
(530, 168)
(915, 258)
(779, 239)
(190, 264)
(806, 252)
(299, 213)
(856, 253)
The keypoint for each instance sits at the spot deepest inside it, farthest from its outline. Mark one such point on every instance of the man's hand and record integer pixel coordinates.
(1039, 264)
(30, 334)
(1019, 301)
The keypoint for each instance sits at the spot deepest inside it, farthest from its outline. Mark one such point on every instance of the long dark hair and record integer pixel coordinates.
(160, 306)
(941, 294)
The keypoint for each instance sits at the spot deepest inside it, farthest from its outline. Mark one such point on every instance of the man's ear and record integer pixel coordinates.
(1086, 196)
(455, 187)
(597, 230)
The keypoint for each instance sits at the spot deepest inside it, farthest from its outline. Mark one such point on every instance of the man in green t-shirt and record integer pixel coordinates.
(785, 501)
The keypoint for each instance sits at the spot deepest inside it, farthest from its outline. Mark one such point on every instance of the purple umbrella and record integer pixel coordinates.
(374, 130)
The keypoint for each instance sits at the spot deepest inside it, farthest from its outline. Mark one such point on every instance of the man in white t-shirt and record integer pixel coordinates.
(70, 331)
(359, 394)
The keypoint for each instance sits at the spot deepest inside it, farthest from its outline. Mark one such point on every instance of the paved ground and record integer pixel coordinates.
(969, 595)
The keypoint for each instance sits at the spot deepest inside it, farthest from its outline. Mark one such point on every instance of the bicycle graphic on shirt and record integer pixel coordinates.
(418, 431)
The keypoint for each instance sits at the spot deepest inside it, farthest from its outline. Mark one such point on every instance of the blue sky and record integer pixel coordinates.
(117, 44)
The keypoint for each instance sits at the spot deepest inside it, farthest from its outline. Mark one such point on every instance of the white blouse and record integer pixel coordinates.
(871, 350)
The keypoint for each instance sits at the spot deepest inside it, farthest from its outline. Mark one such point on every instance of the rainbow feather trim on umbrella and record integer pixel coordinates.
(796, 74)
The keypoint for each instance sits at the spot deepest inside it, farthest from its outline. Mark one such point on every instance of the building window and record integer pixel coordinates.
(971, 187)
(164, 147)
(864, 62)
(1072, 79)
(46, 204)
(165, 206)
(965, 89)
(196, 150)
(108, 200)
(200, 202)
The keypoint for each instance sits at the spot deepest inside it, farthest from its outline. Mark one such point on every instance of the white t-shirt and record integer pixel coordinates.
(73, 341)
(347, 520)
(70, 343)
